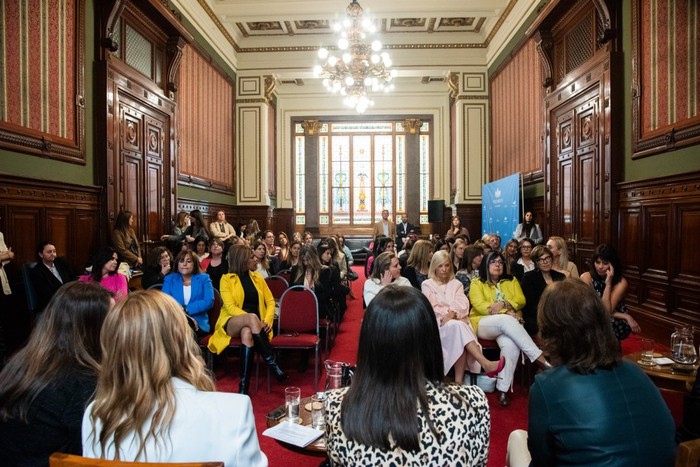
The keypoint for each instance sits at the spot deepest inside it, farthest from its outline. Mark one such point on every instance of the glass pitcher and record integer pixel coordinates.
(334, 374)
(683, 346)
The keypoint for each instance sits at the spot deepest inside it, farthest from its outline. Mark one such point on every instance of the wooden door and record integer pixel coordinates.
(578, 183)
(140, 169)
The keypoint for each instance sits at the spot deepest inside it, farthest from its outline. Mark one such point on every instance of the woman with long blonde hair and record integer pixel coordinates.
(560, 257)
(155, 401)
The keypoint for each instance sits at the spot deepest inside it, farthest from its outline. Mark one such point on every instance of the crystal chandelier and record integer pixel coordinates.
(361, 67)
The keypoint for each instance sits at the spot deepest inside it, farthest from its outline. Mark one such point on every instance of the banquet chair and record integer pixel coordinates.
(59, 459)
(286, 274)
(298, 325)
(277, 285)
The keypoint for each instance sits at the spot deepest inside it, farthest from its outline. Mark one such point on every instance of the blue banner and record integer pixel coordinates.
(500, 209)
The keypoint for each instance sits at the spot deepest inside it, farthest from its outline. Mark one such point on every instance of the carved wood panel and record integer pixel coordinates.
(659, 223)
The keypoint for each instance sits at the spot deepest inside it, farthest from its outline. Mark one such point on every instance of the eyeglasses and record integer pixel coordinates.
(526, 247)
(497, 262)
(546, 259)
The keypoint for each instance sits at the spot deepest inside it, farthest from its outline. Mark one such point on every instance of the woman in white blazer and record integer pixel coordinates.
(155, 401)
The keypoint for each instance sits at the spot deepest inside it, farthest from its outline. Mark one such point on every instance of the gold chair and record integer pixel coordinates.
(59, 459)
(688, 453)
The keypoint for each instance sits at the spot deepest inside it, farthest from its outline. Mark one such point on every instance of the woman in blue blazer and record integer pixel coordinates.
(192, 289)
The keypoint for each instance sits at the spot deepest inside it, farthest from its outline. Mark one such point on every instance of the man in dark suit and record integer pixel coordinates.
(48, 274)
(403, 229)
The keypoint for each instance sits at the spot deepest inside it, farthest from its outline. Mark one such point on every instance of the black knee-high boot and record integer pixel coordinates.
(262, 346)
(247, 354)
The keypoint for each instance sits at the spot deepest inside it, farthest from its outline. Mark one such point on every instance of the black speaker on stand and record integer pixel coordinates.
(436, 211)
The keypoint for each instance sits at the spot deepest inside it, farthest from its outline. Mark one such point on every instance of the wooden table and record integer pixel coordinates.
(663, 375)
(318, 447)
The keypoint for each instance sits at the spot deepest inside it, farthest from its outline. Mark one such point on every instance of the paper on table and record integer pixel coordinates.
(662, 361)
(293, 433)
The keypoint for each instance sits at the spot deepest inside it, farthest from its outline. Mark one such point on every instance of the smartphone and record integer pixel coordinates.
(278, 414)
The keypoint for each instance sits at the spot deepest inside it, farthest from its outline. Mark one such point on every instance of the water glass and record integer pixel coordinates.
(318, 411)
(292, 399)
(647, 352)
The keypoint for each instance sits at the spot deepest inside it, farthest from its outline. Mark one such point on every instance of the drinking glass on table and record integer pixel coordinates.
(647, 352)
(292, 399)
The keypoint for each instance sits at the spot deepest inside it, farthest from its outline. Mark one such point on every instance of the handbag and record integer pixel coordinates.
(351, 275)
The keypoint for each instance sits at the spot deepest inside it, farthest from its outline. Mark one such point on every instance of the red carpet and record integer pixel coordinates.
(503, 420)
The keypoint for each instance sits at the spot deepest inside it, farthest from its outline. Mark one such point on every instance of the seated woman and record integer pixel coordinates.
(418, 263)
(293, 256)
(560, 259)
(510, 253)
(456, 230)
(179, 235)
(398, 409)
(457, 253)
(157, 267)
(197, 228)
(381, 244)
(593, 407)
(525, 252)
(201, 248)
(192, 289)
(496, 300)
(45, 387)
(320, 278)
(248, 312)
(469, 269)
(215, 265)
(459, 345)
(104, 272)
(283, 242)
(606, 278)
(387, 271)
(165, 408)
(344, 248)
(266, 266)
(533, 284)
(125, 240)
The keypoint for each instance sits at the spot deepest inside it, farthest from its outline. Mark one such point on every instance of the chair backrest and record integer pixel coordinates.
(278, 285)
(59, 459)
(156, 286)
(286, 274)
(215, 310)
(298, 310)
(29, 285)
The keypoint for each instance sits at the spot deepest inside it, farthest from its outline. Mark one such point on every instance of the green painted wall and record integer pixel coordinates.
(660, 165)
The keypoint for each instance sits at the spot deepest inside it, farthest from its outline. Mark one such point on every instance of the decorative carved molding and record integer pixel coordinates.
(311, 127)
(270, 86)
(601, 8)
(413, 125)
(545, 45)
(453, 84)
(174, 49)
(115, 12)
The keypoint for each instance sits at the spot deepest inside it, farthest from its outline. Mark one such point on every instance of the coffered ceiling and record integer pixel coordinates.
(255, 34)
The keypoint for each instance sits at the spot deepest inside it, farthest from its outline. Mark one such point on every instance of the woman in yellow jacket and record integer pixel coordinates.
(496, 300)
(248, 311)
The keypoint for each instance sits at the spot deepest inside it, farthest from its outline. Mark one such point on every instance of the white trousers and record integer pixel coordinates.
(511, 338)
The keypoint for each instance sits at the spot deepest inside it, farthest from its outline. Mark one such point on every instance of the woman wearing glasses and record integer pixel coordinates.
(496, 300)
(534, 282)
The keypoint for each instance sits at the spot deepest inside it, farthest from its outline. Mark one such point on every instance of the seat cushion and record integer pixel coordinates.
(300, 340)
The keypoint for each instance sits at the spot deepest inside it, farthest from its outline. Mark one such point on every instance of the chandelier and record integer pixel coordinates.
(361, 67)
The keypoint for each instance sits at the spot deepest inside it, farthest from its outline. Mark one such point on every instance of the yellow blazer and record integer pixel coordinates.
(232, 296)
(483, 294)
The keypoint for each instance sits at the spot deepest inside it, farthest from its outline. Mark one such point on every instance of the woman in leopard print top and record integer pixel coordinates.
(398, 410)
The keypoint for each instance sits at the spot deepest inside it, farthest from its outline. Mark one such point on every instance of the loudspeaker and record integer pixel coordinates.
(436, 210)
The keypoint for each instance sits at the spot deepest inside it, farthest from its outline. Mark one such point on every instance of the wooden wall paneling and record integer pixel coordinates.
(85, 241)
(283, 221)
(59, 229)
(658, 221)
(23, 232)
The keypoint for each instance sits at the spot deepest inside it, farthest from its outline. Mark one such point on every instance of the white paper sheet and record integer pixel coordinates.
(293, 433)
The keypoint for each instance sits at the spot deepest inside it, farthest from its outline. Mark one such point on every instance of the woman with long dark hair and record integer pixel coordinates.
(155, 400)
(197, 228)
(248, 312)
(606, 278)
(528, 229)
(158, 265)
(398, 409)
(215, 265)
(104, 272)
(593, 407)
(45, 387)
(125, 240)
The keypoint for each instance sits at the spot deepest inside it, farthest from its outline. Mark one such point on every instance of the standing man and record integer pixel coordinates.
(385, 226)
(48, 274)
(222, 229)
(403, 229)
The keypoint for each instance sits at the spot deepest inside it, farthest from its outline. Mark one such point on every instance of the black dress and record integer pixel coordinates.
(533, 285)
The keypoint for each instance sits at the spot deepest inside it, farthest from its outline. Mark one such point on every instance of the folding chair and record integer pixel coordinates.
(298, 324)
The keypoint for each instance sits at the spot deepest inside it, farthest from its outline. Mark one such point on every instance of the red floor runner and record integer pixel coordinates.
(503, 420)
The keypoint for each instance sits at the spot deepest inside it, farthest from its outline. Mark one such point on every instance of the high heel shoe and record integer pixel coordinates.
(499, 368)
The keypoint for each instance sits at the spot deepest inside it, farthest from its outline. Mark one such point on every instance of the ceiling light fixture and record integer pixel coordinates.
(361, 67)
